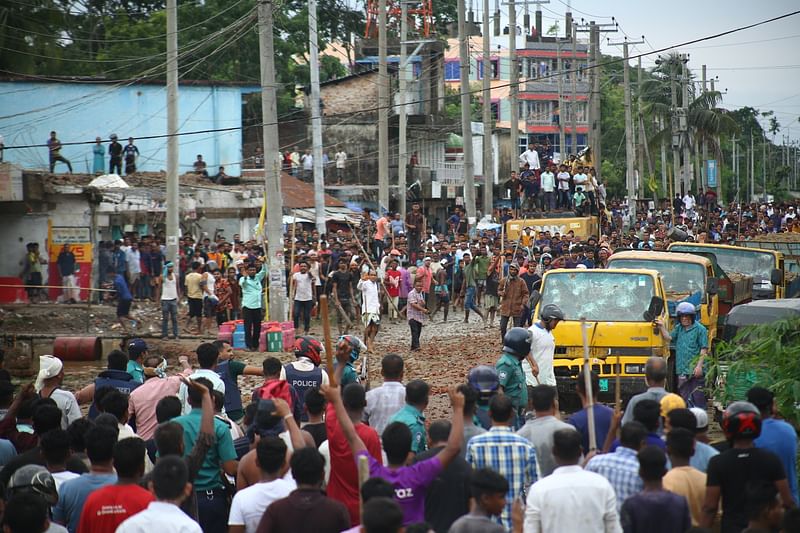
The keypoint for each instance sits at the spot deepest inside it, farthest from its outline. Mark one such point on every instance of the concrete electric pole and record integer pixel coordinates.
(173, 183)
(466, 119)
(272, 177)
(402, 142)
(316, 120)
(513, 92)
(383, 112)
(488, 162)
(630, 154)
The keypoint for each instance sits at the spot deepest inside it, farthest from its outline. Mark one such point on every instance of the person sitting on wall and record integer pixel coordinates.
(200, 166)
(223, 179)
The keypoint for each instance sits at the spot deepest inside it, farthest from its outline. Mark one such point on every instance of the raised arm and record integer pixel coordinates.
(283, 410)
(456, 437)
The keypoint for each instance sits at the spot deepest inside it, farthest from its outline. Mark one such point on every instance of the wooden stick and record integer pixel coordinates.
(291, 264)
(372, 266)
(618, 386)
(587, 380)
(326, 328)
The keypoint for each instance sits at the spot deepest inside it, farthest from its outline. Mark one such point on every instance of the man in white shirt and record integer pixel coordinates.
(303, 296)
(249, 504)
(132, 258)
(688, 201)
(531, 157)
(308, 165)
(571, 499)
(383, 402)
(549, 188)
(563, 177)
(543, 346)
(370, 305)
(341, 158)
(295, 158)
(207, 357)
(171, 486)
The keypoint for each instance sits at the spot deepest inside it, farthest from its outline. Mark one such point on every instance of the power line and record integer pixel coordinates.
(611, 61)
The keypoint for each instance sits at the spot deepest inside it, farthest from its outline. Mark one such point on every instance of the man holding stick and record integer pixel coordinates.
(370, 306)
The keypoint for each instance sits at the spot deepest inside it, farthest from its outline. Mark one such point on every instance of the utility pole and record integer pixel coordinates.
(316, 119)
(488, 163)
(573, 99)
(752, 170)
(383, 113)
(466, 119)
(719, 163)
(674, 127)
(663, 160)
(703, 176)
(595, 126)
(641, 144)
(764, 165)
(630, 154)
(735, 167)
(687, 158)
(562, 149)
(272, 183)
(402, 145)
(514, 84)
(173, 183)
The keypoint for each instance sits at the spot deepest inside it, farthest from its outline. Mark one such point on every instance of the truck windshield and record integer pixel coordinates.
(599, 295)
(681, 280)
(759, 265)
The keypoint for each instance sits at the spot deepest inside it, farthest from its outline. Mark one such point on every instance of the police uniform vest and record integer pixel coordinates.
(117, 379)
(303, 380)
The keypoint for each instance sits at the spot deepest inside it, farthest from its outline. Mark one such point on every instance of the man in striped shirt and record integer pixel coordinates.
(505, 452)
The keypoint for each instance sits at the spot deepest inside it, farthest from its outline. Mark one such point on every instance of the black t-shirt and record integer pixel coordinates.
(115, 149)
(732, 470)
(447, 498)
(317, 431)
(343, 281)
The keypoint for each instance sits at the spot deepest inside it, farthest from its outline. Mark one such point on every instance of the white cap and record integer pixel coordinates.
(49, 367)
(702, 418)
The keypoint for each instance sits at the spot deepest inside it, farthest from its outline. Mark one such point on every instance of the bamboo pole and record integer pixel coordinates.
(291, 264)
(326, 328)
(587, 381)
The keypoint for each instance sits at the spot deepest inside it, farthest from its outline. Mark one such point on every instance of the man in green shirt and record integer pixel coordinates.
(469, 288)
(137, 352)
(481, 263)
(251, 304)
(516, 346)
(411, 414)
(212, 505)
(229, 371)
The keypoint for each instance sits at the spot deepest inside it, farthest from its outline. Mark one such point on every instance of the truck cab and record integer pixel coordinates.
(766, 267)
(619, 308)
(687, 278)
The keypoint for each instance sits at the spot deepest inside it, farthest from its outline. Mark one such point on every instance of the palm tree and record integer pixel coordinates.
(705, 121)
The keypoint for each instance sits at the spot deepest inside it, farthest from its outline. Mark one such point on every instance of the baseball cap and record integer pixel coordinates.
(671, 401)
(137, 347)
(702, 418)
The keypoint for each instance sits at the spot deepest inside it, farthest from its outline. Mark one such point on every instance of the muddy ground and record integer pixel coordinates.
(448, 349)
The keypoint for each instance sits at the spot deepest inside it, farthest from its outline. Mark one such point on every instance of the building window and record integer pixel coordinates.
(495, 111)
(495, 69)
(452, 70)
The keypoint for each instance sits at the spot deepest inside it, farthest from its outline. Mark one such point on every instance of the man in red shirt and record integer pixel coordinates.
(108, 507)
(343, 483)
(393, 288)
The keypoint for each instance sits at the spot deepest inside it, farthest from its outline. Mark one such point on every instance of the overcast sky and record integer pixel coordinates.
(739, 59)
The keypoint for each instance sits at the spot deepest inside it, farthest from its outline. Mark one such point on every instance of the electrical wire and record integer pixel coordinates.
(390, 106)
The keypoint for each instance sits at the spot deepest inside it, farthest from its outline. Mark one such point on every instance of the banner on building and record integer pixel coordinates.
(711, 172)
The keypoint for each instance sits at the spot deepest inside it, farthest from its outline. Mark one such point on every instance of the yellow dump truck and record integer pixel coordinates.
(687, 278)
(766, 267)
(582, 227)
(620, 308)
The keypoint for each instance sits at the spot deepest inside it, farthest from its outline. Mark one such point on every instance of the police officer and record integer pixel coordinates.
(516, 347)
(305, 373)
(484, 380)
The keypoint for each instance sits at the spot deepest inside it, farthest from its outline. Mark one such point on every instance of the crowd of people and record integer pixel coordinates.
(185, 450)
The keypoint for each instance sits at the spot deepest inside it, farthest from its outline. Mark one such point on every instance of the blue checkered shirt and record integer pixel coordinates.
(621, 469)
(508, 454)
